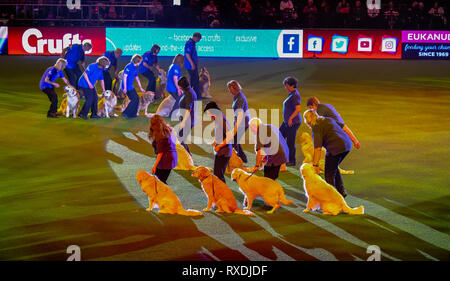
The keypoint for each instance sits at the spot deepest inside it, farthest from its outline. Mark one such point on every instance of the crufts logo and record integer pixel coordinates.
(289, 44)
(54, 46)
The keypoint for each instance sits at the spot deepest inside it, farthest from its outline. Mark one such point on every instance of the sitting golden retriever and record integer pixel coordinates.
(145, 99)
(308, 151)
(324, 196)
(160, 194)
(218, 193)
(70, 104)
(236, 162)
(184, 161)
(253, 186)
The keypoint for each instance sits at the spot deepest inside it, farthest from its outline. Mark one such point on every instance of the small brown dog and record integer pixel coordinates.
(253, 186)
(218, 193)
(161, 195)
(323, 196)
(205, 83)
(145, 99)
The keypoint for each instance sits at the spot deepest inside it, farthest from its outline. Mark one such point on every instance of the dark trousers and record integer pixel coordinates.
(272, 172)
(220, 165)
(163, 174)
(132, 109)
(181, 133)
(73, 75)
(91, 102)
(237, 146)
(176, 105)
(290, 133)
(108, 80)
(151, 86)
(332, 174)
(194, 80)
(50, 92)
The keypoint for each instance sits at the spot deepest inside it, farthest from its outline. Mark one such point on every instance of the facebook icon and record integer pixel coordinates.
(291, 43)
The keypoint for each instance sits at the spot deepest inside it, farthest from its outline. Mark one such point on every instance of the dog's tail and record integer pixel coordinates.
(346, 172)
(122, 107)
(243, 212)
(190, 212)
(283, 198)
(353, 211)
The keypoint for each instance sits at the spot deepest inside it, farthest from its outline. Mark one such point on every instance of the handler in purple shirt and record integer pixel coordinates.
(291, 117)
(164, 146)
(327, 133)
(327, 110)
(222, 139)
(269, 140)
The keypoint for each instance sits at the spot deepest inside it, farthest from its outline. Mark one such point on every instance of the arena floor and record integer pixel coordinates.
(72, 182)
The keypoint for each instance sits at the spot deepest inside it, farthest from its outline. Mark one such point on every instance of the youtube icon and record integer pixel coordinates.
(365, 44)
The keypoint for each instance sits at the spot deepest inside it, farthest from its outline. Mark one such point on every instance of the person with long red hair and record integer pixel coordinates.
(163, 142)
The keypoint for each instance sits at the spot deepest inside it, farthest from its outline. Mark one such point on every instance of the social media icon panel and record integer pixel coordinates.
(291, 43)
(339, 44)
(315, 44)
(365, 44)
(389, 45)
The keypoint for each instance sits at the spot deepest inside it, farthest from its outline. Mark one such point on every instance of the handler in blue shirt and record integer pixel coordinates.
(191, 61)
(270, 141)
(291, 117)
(173, 75)
(187, 111)
(241, 116)
(48, 85)
(92, 74)
(327, 110)
(73, 55)
(222, 139)
(130, 73)
(112, 56)
(150, 60)
(327, 133)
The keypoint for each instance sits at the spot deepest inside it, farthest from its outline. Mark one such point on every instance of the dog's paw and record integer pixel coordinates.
(306, 211)
(148, 210)
(205, 210)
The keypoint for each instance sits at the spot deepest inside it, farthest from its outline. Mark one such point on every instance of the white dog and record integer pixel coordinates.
(323, 196)
(70, 104)
(107, 104)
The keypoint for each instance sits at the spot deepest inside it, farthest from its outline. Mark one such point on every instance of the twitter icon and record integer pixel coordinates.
(339, 44)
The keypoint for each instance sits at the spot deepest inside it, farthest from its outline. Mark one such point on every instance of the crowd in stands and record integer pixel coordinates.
(382, 14)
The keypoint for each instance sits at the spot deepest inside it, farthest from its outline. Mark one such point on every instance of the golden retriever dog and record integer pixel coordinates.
(236, 162)
(218, 193)
(70, 104)
(145, 99)
(205, 83)
(107, 104)
(308, 151)
(161, 85)
(253, 186)
(160, 195)
(324, 196)
(184, 161)
(165, 107)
